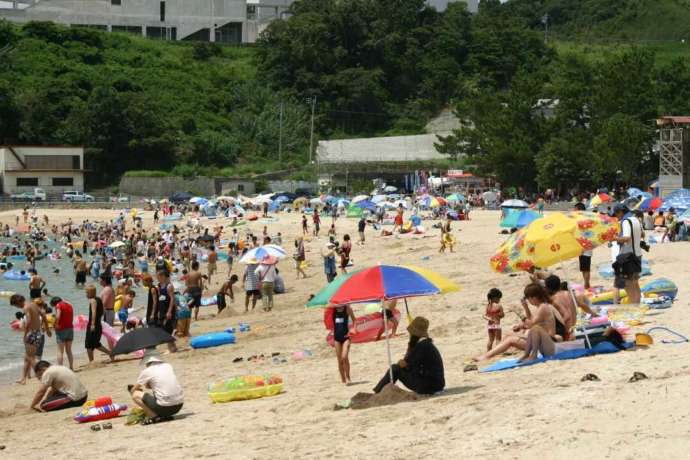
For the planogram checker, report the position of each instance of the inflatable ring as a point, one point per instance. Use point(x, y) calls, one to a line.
point(6, 294)
point(96, 413)
point(16, 276)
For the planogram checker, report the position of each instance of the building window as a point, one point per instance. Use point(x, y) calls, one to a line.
point(116, 2)
point(162, 11)
point(63, 182)
point(229, 33)
point(76, 162)
point(128, 29)
point(27, 181)
point(161, 33)
point(240, 187)
point(251, 12)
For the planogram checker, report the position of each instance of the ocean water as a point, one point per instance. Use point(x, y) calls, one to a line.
point(58, 284)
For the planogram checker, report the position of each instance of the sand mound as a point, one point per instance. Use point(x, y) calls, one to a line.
point(390, 395)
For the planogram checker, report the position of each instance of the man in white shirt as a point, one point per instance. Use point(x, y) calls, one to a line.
point(629, 259)
point(266, 273)
point(60, 388)
point(157, 391)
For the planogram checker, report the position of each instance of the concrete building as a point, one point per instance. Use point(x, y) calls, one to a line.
point(222, 21)
point(53, 168)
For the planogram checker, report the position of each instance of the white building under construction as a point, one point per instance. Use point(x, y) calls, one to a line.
point(222, 21)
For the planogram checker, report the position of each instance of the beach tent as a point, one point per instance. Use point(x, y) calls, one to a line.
point(514, 204)
point(519, 218)
point(366, 204)
point(355, 211)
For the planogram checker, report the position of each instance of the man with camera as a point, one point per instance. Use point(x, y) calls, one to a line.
point(628, 264)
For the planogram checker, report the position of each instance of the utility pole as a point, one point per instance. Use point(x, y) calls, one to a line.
point(280, 134)
point(545, 21)
point(311, 136)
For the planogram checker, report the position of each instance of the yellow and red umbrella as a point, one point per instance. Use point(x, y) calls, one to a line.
point(553, 239)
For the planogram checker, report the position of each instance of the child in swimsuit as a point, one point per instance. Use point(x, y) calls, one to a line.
point(493, 314)
point(341, 338)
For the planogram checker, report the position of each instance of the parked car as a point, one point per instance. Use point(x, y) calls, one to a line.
point(37, 195)
point(119, 199)
point(77, 197)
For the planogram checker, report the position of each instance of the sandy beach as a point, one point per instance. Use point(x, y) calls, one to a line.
point(541, 411)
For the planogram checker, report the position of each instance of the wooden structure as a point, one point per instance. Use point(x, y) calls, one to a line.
point(674, 153)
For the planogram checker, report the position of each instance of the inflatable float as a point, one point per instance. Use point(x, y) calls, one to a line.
point(238, 223)
point(367, 327)
point(17, 258)
point(213, 339)
point(245, 387)
point(651, 289)
point(16, 276)
point(94, 412)
point(6, 294)
point(209, 301)
point(173, 217)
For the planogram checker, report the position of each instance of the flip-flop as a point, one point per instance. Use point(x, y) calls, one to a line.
point(590, 378)
point(107, 426)
point(96, 427)
point(637, 376)
point(156, 419)
point(470, 367)
point(238, 359)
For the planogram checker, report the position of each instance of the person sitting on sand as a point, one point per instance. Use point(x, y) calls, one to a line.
point(421, 370)
point(566, 303)
point(545, 328)
point(389, 311)
point(546, 317)
point(60, 388)
point(157, 391)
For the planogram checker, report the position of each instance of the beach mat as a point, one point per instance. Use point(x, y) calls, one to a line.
point(598, 349)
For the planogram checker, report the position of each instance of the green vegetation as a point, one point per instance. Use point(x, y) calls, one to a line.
point(142, 104)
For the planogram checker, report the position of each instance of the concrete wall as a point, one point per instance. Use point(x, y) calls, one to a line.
point(45, 181)
point(166, 186)
point(291, 185)
point(11, 169)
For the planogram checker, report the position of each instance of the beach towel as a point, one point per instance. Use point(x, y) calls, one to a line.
point(598, 349)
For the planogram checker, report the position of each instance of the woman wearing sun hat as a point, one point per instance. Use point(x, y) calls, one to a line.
point(421, 370)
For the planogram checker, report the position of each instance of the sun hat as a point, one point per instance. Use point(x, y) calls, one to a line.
point(620, 207)
point(419, 327)
point(151, 356)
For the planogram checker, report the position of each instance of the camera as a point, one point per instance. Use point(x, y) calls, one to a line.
point(645, 246)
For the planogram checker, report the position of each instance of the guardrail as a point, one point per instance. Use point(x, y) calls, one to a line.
point(7, 203)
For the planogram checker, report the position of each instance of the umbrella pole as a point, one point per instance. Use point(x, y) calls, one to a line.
point(388, 343)
point(407, 310)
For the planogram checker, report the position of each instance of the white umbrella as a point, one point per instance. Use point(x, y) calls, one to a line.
point(378, 198)
point(390, 188)
point(315, 201)
point(359, 198)
point(117, 244)
point(256, 254)
point(514, 204)
point(198, 199)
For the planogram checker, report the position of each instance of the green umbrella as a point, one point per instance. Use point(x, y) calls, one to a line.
point(323, 297)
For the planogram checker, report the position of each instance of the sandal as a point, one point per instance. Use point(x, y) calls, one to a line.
point(107, 426)
point(238, 359)
point(156, 419)
point(637, 376)
point(470, 367)
point(590, 378)
point(96, 427)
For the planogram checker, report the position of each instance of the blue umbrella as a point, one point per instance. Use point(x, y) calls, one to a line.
point(366, 204)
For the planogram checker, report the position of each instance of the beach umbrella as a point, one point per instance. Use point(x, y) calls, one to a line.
point(519, 218)
point(366, 204)
point(600, 198)
point(379, 198)
point(301, 201)
point(649, 204)
point(634, 192)
point(261, 252)
point(117, 244)
point(360, 198)
point(281, 199)
point(315, 201)
point(553, 239)
point(456, 197)
point(390, 189)
point(141, 338)
point(379, 283)
point(198, 200)
point(180, 197)
point(514, 204)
